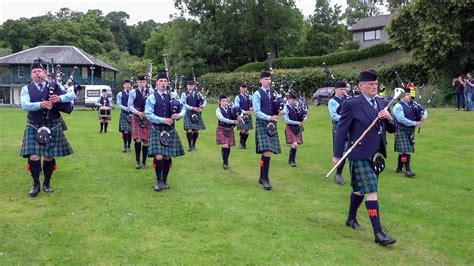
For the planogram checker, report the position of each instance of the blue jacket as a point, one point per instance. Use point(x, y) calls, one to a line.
point(356, 116)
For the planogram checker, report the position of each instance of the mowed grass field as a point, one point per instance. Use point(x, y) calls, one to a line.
point(104, 211)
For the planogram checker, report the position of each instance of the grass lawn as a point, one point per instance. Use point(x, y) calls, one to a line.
point(103, 211)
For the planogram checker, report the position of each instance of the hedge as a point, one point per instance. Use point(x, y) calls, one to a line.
point(307, 80)
point(317, 61)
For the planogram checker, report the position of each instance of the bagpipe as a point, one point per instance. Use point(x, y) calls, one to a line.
point(200, 98)
point(417, 108)
point(301, 105)
point(54, 83)
point(176, 105)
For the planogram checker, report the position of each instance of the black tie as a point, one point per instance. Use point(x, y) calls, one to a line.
point(40, 87)
point(374, 104)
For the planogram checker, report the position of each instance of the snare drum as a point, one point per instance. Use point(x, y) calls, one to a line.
point(105, 113)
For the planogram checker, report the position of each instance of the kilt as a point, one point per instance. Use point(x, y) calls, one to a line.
point(173, 150)
point(223, 139)
point(123, 124)
point(189, 124)
point(291, 137)
point(363, 178)
point(138, 132)
point(57, 147)
point(263, 141)
point(63, 123)
point(403, 139)
point(248, 125)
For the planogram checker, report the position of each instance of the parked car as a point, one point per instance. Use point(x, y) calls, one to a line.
point(322, 95)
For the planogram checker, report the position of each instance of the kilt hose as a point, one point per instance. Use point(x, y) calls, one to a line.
point(263, 141)
point(57, 147)
point(189, 124)
point(123, 124)
point(404, 139)
point(225, 135)
point(364, 179)
point(292, 137)
point(138, 132)
point(174, 149)
point(248, 125)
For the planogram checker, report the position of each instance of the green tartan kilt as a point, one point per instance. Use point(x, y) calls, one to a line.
point(189, 124)
point(248, 125)
point(57, 147)
point(123, 124)
point(403, 139)
point(175, 148)
point(364, 179)
point(263, 141)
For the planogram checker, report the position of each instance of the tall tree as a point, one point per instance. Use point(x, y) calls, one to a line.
point(357, 9)
point(17, 34)
point(440, 33)
point(326, 34)
point(118, 26)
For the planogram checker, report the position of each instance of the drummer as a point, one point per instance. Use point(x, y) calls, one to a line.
point(105, 106)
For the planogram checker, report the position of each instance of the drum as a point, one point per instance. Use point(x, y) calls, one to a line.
point(105, 113)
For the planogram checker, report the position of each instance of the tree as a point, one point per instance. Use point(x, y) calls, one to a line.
point(326, 34)
point(440, 33)
point(118, 26)
point(138, 34)
point(357, 9)
point(17, 34)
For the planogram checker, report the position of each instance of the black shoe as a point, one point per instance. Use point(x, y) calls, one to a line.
point(138, 165)
point(242, 146)
point(225, 166)
point(382, 239)
point(34, 190)
point(144, 165)
point(340, 179)
point(158, 186)
point(409, 173)
point(47, 188)
point(399, 171)
point(165, 184)
point(191, 148)
point(260, 181)
point(124, 150)
point(355, 225)
point(266, 184)
point(292, 163)
point(245, 145)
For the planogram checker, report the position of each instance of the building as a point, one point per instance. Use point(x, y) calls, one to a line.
point(369, 31)
point(15, 70)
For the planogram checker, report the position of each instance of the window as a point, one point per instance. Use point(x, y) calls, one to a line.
point(372, 35)
point(84, 72)
point(21, 71)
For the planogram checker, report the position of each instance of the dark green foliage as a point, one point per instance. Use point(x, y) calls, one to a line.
point(316, 61)
point(307, 80)
point(441, 34)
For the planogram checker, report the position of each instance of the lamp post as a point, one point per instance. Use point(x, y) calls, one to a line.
point(92, 75)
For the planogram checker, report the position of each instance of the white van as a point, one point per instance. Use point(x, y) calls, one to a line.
point(93, 92)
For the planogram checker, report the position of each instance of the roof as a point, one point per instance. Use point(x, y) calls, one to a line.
point(367, 23)
point(62, 54)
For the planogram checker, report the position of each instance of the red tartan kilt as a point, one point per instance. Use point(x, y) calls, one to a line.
point(221, 139)
point(138, 132)
point(291, 137)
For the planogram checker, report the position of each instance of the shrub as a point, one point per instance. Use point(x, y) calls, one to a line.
point(316, 61)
